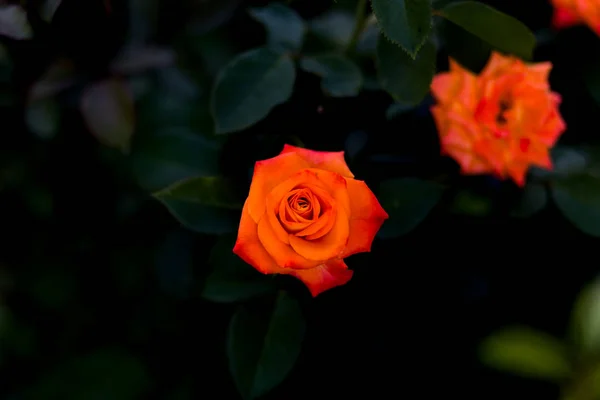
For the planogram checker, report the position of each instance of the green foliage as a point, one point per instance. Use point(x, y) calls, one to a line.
point(108, 109)
point(585, 320)
point(502, 31)
point(203, 204)
point(533, 199)
point(107, 373)
point(406, 79)
point(340, 77)
point(249, 87)
point(526, 352)
point(285, 28)
point(407, 23)
point(408, 201)
point(263, 344)
point(230, 278)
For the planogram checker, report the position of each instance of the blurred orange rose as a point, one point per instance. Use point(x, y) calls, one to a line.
point(575, 12)
point(501, 121)
point(304, 214)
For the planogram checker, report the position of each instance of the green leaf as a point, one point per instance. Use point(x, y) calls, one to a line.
point(407, 201)
point(406, 79)
point(585, 320)
point(468, 50)
point(404, 22)
point(533, 199)
point(262, 346)
point(334, 26)
point(578, 198)
point(502, 31)
point(340, 76)
point(526, 352)
point(48, 9)
point(14, 23)
point(285, 28)
point(43, 117)
point(566, 162)
point(211, 191)
point(592, 81)
point(108, 110)
point(105, 374)
point(469, 202)
point(172, 155)
point(397, 109)
point(231, 279)
point(203, 204)
point(249, 87)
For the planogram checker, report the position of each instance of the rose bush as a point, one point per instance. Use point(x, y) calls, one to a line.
point(304, 214)
point(501, 121)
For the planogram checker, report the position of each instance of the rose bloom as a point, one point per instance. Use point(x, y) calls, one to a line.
point(304, 214)
point(499, 122)
point(574, 12)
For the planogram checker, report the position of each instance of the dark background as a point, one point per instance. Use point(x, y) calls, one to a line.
point(89, 262)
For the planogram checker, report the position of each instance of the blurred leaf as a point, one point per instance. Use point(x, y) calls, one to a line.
point(566, 162)
point(406, 23)
point(533, 199)
point(340, 77)
point(14, 23)
point(367, 43)
point(210, 14)
point(334, 26)
point(262, 347)
point(202, 190)
point(109, 112)
point(592, 80)
point(578, 198)
point(249, 87)
point(407, 201)
point(171, 156)
point(398, 108)
point(231, 279)
point(43, 117)
point(58, 77)
point(406, 79)
point(137, 59)
point(174, 264)
point(48, 9)
point(502, 31)
point(355, 143)
point(285, 28)
point(471, 203)
point(105, 374)
point(199, 213)
point(585, 320)
point(468, 50)
point(526, 352)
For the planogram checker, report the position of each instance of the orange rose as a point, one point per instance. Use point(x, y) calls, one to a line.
point(575, 12)
point(304, 214)
point(501, 121)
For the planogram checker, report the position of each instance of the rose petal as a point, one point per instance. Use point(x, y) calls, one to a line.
point(249, 248)
point(282, 253)
point(324, 277)
point(328, 246)
point(366, 217)
point(330, 161)
point(564, 18)
point(268, 174)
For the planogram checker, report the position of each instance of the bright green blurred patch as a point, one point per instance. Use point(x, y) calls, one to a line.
point(526, 352)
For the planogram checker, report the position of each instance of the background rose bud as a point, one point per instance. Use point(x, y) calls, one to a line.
point(502, 121)
point(575, 12)
point(304, 214)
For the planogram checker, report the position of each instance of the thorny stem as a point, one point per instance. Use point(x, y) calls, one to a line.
point(360, 20)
